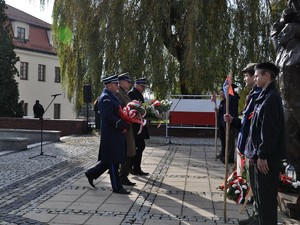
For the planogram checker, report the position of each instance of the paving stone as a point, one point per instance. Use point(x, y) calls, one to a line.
point(181, 188)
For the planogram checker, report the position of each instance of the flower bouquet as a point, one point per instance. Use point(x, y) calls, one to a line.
point(156, 109)
point(287, 185)
point(164, 106)
point(237, 189)
point(133, 112)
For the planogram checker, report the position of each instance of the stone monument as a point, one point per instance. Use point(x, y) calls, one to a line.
point(286, 38)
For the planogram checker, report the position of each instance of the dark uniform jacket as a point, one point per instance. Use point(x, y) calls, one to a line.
point(124, 99)
point(112, 141)
point(244, 125)
point(134, 94)
point(267, 136)
point(221, 112)
point(233, 109)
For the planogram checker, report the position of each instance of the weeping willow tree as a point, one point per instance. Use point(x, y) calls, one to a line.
point(180, 46)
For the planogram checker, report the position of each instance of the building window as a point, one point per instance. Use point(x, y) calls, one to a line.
point(26, 109)
point(42, 72)
point(24, 71)
point(56, 111)
point(57, 75)
point(21, 34)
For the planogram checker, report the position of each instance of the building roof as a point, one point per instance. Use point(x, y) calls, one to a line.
point(16, 14)
point(38, 38)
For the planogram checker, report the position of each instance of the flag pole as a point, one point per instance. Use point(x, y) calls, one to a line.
point(226, 147)
point(216, 126)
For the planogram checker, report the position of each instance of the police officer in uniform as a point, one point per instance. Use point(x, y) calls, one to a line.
point(136, 93)
point(112, 139)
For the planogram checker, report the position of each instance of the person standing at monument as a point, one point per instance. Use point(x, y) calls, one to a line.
point(266, 142)
point(243, 125)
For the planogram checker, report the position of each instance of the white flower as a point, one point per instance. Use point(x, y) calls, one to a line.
point(234, 185)
point(244, 186)
point(296, 184)
point(237, 192)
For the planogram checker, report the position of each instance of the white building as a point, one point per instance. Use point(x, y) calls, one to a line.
point(38, 66)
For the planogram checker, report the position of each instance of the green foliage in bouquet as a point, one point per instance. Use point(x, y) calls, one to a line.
point(156, 110)
point(164, 106)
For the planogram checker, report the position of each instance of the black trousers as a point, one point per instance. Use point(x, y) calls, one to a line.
point(233, 132)
point(140, 146)
point(222, 134)
point(251, 181)
point(266, 190)
point(124, 169)
point(101, 167)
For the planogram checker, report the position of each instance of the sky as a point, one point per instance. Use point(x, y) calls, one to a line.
point(34, 8)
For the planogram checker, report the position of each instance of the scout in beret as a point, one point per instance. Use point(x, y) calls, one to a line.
point(266, 142)
point(243, 125)
point(268, 67)
point(249, 68)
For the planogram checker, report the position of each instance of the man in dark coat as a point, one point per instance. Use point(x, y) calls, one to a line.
point(124, 86)
point(38, 110)
point(243, 125)
point(112, 140)
point(266, 142)
point(136, 93)
point(233, 110)
point(220, 110)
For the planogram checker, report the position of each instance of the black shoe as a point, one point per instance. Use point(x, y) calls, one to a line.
point(127, 182)
point(90, 180)
point(251, 220)
point(140, 172)
point(131, 171)
point(122, 191)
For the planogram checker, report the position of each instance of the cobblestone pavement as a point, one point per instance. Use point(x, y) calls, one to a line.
point(53, 190)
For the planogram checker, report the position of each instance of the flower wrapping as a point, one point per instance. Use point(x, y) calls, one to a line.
point(156, 109)
point(133, 112)
point(287, 185)
point(237, 188)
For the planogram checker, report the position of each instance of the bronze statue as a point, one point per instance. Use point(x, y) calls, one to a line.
point(286, 38)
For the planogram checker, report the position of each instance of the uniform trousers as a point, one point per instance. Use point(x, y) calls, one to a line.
point(222, 134)
point(266, 190)
point(251, 181)
point(125, 167)
point(231, 142)
point(233, 132)
point(140, 146)
point(101, 167)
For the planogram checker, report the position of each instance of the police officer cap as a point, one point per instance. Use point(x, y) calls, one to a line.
point(267, 66)
point(124, 76)
point(249, 68)
point(141, 81)
point(110, 79)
